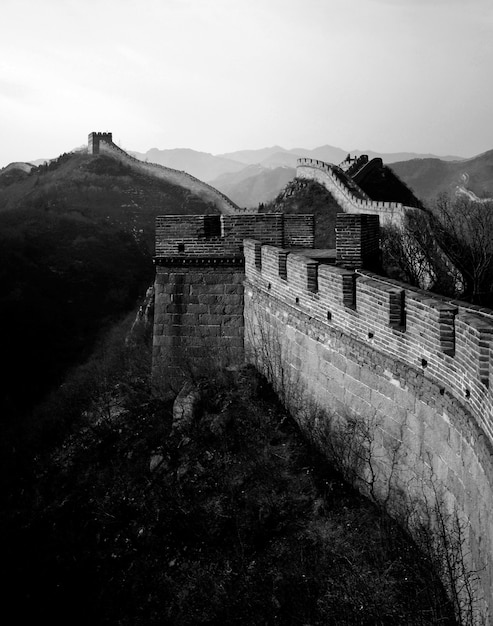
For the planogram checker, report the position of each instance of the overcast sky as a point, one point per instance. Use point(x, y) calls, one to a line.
point(224, 75)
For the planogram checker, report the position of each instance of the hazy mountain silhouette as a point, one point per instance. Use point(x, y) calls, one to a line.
point(254, 184)
point(430, 177)
point(202, 165)
point(251, 157)
point(427, 176)
point(276, 156)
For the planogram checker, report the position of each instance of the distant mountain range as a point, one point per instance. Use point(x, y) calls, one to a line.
point(250, 177)
point(429, 177)
point(202, 165)
point(208, 167)
point(254, 184)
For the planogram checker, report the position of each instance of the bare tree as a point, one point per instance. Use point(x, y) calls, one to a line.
point(448, 249)
point(463, 228)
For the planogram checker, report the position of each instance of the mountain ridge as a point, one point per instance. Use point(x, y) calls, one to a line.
point(431, 177)
point(234, 173)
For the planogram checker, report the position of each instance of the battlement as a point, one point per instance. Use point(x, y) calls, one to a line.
point(351, 200)
point(105, 135)
point(187, 238)
point(413, 368)
point(448, 341)
point(94, 140)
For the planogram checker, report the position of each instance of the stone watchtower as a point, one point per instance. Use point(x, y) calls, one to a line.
point(199, 303)
point(94, 140)
point(198, 316)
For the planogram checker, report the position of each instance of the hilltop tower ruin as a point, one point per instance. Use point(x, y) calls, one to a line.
point(94, 140)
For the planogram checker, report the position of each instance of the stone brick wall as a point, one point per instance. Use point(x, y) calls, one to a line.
point(198, 319)
point(198, 312)
point(94, 140)
point(358, 240)
point(331, 177)
point(185, 236)
point(103, 143)
point(299, 231)
point(415, 368)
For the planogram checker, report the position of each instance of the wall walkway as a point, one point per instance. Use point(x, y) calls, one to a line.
point(347, 193)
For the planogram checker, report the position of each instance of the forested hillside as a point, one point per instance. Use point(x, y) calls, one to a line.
point(76, 245)
point(131, 516)
point(431, 177)
point(305, 196)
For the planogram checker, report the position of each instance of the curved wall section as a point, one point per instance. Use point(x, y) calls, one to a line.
point(102, 142)
point(415, 369)
point(351, 200)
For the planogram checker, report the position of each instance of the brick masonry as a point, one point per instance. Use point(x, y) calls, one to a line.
point(331, 177)
point(358, 240)
point(95, 139)
point(414, 367)
point(198, 319)
point(198, 313)
point(103, 143)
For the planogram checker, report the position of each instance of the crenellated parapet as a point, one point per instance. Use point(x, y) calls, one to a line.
point(198, 319)
point(347, 193)
point(449, 341)
point(414, 368)
point(95, 139)
point(340, 342)
point(187, 237)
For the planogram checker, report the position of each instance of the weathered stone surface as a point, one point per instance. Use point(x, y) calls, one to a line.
point(415, 375)
point(423, 431)
point(155, 461)
point(186, 409)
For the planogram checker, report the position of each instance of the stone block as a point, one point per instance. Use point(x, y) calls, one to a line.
point(357, 405)
point(358, 388)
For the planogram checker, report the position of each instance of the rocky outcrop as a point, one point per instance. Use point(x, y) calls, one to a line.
point(186, 409)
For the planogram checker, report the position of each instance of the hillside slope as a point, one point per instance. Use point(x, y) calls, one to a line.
point(307, 196)
point(231, 520)
point(76, 246)
point(430, 177)
point(103, 189)
point(255, 184)
point(171, 176)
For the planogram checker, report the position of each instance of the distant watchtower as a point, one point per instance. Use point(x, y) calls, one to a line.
point(94, 140)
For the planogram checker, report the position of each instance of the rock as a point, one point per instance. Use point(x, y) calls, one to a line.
point(155, 462)
point(219, 423)
point(186, 408)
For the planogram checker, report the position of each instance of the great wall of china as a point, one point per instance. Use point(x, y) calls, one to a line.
point(340, 343)
point(347, 193)
point(100, 143)
point(415, 368)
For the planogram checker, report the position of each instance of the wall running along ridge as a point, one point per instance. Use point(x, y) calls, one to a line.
point(350, 200)
point(414, 368)
point(101, 143)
